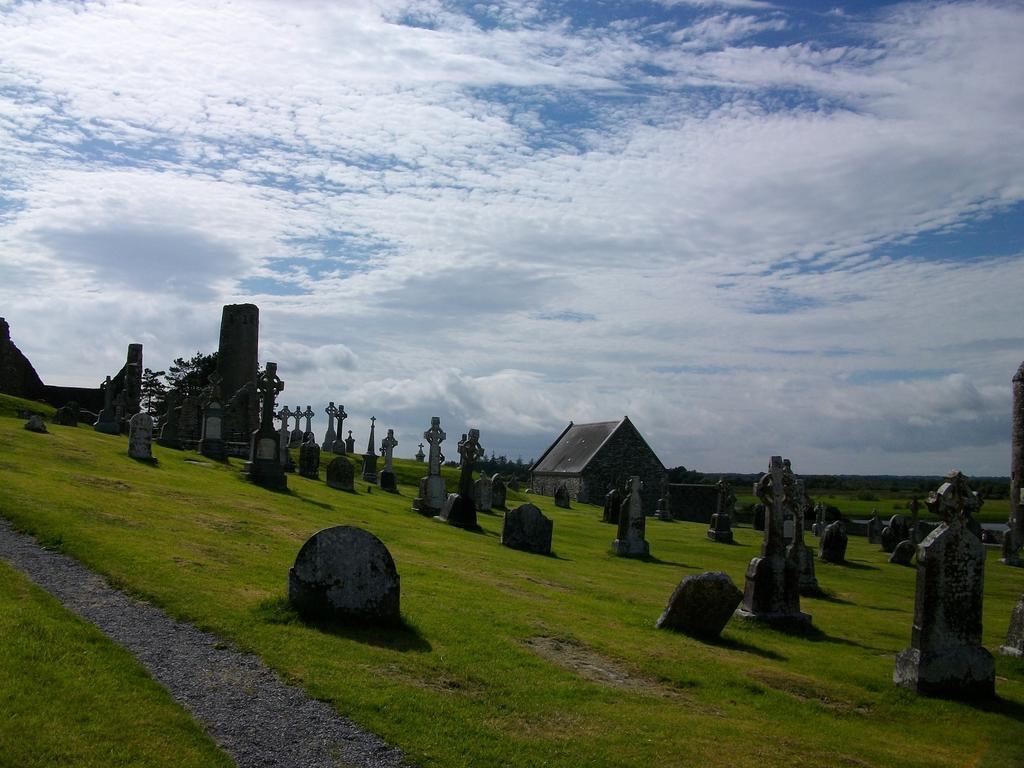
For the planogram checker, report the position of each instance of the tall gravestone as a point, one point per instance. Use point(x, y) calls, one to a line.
point(720, 528)
point(498, 492)
point(284, 438)
point(772, 590)
point(797, 550)
point(432, 491)
point(330, 436)
point(106, 421)
point(308, 415)
point(309, 459)
point(341, 445)
point(169, 426)
point(945, 657)
point(482, 493)
point(459, 509)
point(295, 438)
point(387, 475)
point(140, 436)
point(1013, 539)
point(612, 505)
point(370, 457)
point(211, 443)
point(264, 465)
point(630, 541)
point(350, 444)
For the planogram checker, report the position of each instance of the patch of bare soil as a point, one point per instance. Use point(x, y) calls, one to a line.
point(806, 689)
point(101, 482)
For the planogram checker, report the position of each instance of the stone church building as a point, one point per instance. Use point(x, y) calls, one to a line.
point(591, 459)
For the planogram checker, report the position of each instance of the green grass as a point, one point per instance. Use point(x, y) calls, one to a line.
point(468, 682)
point(71, 697)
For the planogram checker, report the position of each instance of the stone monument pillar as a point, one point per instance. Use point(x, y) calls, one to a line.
point(238, 362)
point(370, 458)
point(264, 466)
point(387, 475)
point(1014, 537)
point(132, 384)
point(630, 541)
point(772, 591)
point(341, 445)
point(211, 442)
point(459, 508)
point(330, 436)
point(945, 657)
point(308, 415)
point(432, 491)
point(720, 528)
point(284, 440)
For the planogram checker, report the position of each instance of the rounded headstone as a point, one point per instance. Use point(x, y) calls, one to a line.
point(562, 496)
point(834, 540)
point(701, 605)
point(904, 552)
point(345, 573)
point(341, 474)
point(526, 528)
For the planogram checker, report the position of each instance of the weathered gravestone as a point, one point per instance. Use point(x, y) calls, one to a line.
point(264, 465)
point(35, 423)
point(772, 591)
point(307, 433)
point(140, 436)
point(295, 438)
point(895, 532)
point(832, 548)
point(701, 605)
point(284, 438)
point(498, 492)
point(562, 496)
point(720, 528)
point(904, 553)
point(663, 511)
point(797, 550)
point(760, 514)
point(875, 529)
point(345, 573)
point(341, 445)
point(387, 479)
point(211, 443)
point(459, 508)
point(330, 435)
point(370, 458)
point(945, 657)
point(341, 474)
point(514, 484)
point(482, 494)
point(1014, 645)
point(612, 505)
point(432, 491)
point(630, 541)
point(309, 459)
point(527, 529)
point(66, 415)
point(350, 444)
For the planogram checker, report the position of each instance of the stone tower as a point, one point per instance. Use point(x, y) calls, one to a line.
point(1013, 539)
point(237, 365)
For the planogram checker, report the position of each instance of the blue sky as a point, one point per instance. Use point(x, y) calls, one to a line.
point(755, 228)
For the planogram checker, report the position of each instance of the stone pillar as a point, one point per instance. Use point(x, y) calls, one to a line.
point(238, 358)
point(370, 457)
point(1014, 537)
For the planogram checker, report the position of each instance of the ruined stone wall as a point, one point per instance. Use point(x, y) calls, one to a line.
point(17, 376)
point(545, 483)
point(624, 455)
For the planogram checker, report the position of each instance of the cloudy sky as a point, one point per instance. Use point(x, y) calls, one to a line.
point(753, 227)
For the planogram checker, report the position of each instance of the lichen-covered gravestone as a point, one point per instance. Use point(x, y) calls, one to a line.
point(341, 474)
point(1014, 645)
point(630, 541)
point(498, 492)
point(35, 423)
point(345, 573)
point(834, 540)
point(526, 528)
point(562, 496)
point(140, 436)
point(309, 459)
point(945, 657)
point(482, 494)
point(701, 605)
point(432, 490)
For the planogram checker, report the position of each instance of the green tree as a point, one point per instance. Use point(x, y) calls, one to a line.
point(189, 377)
point(153, 391)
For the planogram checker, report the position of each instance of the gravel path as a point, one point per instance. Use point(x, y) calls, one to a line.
point(244, 707)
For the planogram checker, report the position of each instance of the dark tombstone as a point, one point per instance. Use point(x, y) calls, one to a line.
point(387, 480)
point(945, 657)
point(1013, 539)
point(140, 436)
point(1014, 645)
point(459, 508)
point(904, 553)
point(875, 530)
point(35, 423)
point(341, 445)
point(420, 455)
point(701, 605)
point(295, 438)
point(612, 504)
point(482, 495)
point(630, 541)
point(106, 422)
point(798, 550)
point(894, 532)
point(211, 443)
point(432, 494)
point(341, 474)
point(834, 540)
point(348, 574)
point(720, 529)
point(309, 459)
point(527, 529)
point(66, 415)
point(772, 591)
point(369, 473)
point(498, 494)
point(514, 485)
point(168, 437)
point(330, 436)
point(350, 444)
point(760, 513)
point(308, 415)
point(562, 496)
point(264, 465)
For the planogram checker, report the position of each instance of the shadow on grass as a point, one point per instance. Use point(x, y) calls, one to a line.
point(853, 565)
point(997, 706)
point(740, 645)
point(659, 561)
point(150, 462)
point(403, 637)
point(828, 597)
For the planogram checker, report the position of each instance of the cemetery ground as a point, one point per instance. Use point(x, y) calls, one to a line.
point(506, 658)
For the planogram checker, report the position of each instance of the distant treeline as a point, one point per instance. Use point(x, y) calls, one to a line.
point(865, 485)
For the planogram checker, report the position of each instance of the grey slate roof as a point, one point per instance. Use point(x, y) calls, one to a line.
point(576, 446)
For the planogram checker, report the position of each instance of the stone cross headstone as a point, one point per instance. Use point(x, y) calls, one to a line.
point(482, 493)
point(420, 455)
point(370, 458)
point(345, 573)
point(630, 541)
point(341, 474)
point(285, 415)
point(341, 445)
point(387, 475)
point(330, 436)
point(350, 444)
point(946, 657)
point(498, 492)
point(432, 491)
point(106, 422)
point(1013, 539)
point(295, 438)
point(772, 590)
point(527, 529)
point(309, 459)
point(701, 605)
point(264, 465)
point(797, 550)
point(140, 436)
point(459, 508)
point(720, 528)
point(308, 415)
point(211, 441)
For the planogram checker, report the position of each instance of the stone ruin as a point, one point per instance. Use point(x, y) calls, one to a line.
point(432, 491)
point(1013, 539)
point(264, 465)
point(772, 591)
point(345, 573)
point(945, 657)
point(459, 508)
point(526, 528)
point(122, 395)
point(630, 541)
point(701, 605)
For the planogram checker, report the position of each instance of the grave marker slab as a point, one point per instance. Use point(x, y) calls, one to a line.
point(701, 605)
point(140, 436)
point(526, 528)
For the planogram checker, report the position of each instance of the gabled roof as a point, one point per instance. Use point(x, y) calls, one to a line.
point(576, 446)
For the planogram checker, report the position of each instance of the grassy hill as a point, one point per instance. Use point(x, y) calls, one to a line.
point(508, 658)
